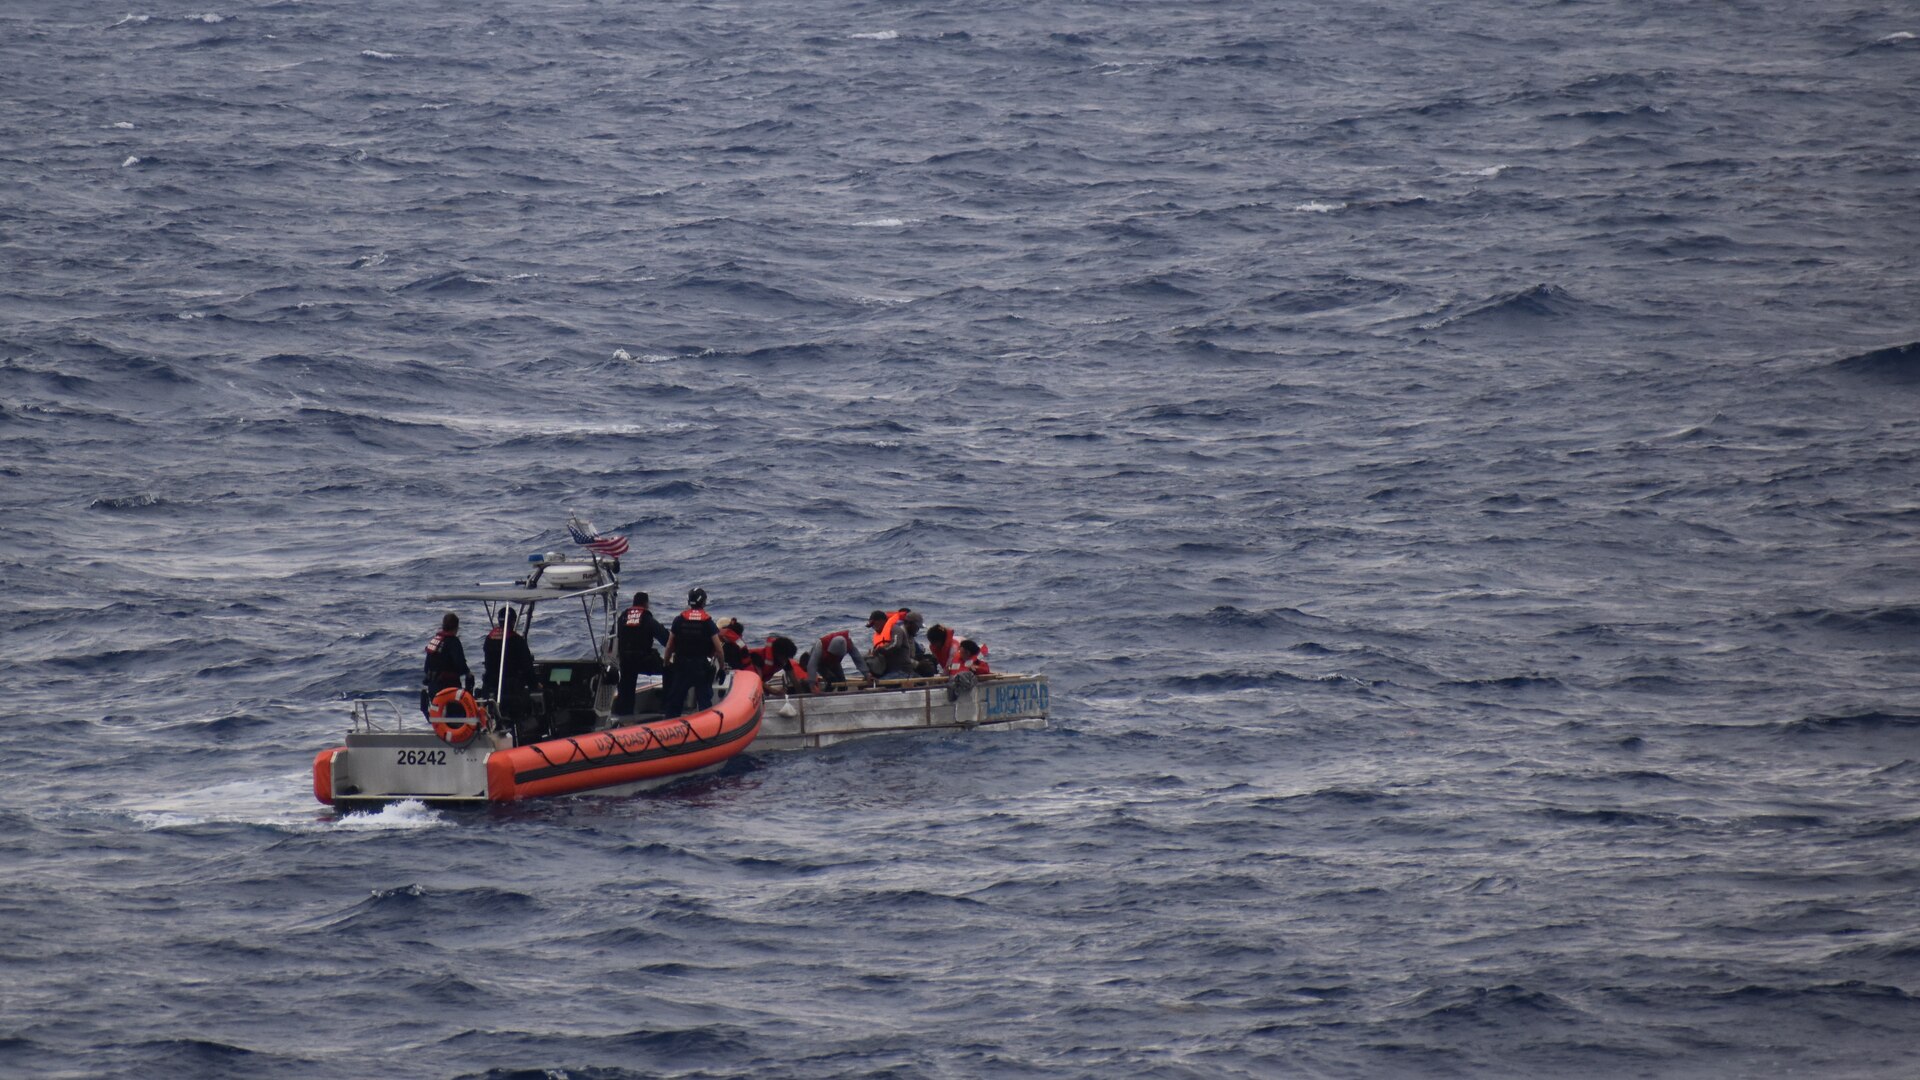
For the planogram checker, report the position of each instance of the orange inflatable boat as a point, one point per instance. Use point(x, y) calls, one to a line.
point(383, 763)
point(538, 720)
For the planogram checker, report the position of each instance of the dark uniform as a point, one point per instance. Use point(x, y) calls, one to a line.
point(640, 632)
point(693, 635)
point(446, 666)
point(517, 694)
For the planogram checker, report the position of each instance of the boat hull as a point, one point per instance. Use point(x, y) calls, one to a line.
point(376, 768)
point(997, 702)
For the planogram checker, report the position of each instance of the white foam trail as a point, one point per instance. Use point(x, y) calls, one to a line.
point(283, 801)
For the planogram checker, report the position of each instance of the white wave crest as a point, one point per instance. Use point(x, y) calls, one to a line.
point(406, 814)
point(1320, 207)
point(375, 54)
point(130, 162)
point(881, 223)
point(133, 20)
point(878, 35)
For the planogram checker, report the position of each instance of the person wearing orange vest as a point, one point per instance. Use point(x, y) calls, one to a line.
point(823, 668)
point(892, 655)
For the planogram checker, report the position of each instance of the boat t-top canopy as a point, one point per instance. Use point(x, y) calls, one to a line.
point(511, 593)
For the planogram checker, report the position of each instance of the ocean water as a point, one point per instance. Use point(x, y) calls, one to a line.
point(1456, 464)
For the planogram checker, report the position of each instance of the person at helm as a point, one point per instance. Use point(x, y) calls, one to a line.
point(509, 673)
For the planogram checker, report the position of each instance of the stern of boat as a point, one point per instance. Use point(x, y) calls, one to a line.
point(389, 757)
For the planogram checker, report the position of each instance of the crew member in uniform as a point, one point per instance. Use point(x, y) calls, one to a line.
point(446, 662)
point(639, 635)
point(693, 648)
point(507, 655)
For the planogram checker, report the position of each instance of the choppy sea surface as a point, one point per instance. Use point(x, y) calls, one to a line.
point(1456, 463)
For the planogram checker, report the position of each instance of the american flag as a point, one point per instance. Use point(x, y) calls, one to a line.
point(587, 537)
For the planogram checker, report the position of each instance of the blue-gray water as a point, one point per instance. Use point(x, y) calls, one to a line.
point(1456, 463)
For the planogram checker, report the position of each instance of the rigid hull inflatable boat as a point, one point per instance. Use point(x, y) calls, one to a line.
point(557, 737)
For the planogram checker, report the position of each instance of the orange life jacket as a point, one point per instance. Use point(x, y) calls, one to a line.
point(885, 639)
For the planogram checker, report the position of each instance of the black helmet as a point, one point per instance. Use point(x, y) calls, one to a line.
point(697, 598)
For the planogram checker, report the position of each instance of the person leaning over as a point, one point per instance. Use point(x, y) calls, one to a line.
point(823, 661)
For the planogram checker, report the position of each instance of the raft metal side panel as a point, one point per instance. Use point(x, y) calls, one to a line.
point(1016, 701)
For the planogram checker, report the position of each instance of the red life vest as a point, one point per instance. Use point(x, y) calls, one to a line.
point(433, 643)
point(694, 614)
point(977, 665)
point(635, 615)
point(949, 657)
point(822, 647)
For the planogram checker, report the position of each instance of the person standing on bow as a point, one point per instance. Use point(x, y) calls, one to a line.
point(693, 648)
point(446, 662)
point(639, 635)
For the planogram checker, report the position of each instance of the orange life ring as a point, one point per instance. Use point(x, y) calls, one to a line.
point(456, 731)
